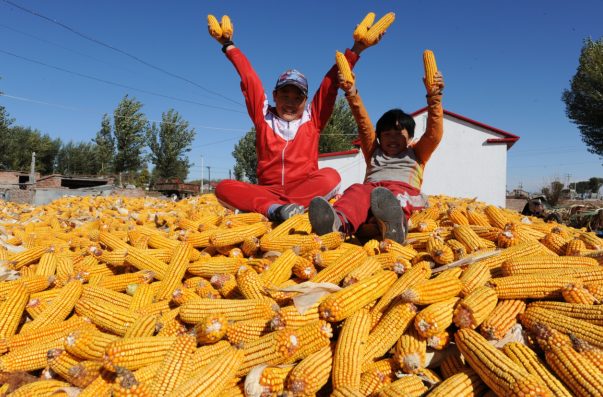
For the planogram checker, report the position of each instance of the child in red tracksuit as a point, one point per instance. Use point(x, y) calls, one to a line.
point(392, 186)
point(286, 140)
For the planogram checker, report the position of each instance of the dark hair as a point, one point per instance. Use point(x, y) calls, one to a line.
point(395, 119)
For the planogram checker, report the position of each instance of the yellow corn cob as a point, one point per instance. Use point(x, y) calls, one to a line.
point(394, 261)
point(157, 308)
point(48, 265)
point(592, 353)
point(555, 243)
point(273, 348)
point(227, 285)
point(80, 373)
point(311, 373)
point(135, 353)
point(182, 295)
point(440, 252)
point(290, 317)
point(35, 306)
point(207, 268)
point(536, 264)
point(250, 284)
point(475, 308)
point(346, 391)
point(576, 293)
point(406, 386)
point(372, 247)
point(281, 269)
point(303, 268)
point(417, 273)
point(88, 344)
point(502, 318)
point(590, 333)
point(61, 306)
point(591, 240)
point(535, 286)
point(206, 354)
point(126, 385)
point(226, 27)
point(528, 360)
point(410, 351)
point(597, 255)
point(455, 214)
point(431, 291)
point(458, 249)
point(205, 290)
point(247, 330)
point(119, 282)
point(498, 371)
point(280, 243)
point(101, 386)
point(101, 294)
point(51, 333)
point(377, 376)
point(211, 329)
point(11, 311)
point(175, 366)
point(436, 317)
point(143, 326)
point(194, 311)
point(575, 247)
point(222, 238)
point(214, 26)
point(106, 316)
point(453, 364)
point(326, 258)
point(214, 378)
point(368, 268)
point(177, 268)
point(380, 26)
point(344, 303)
point(465, 383)
point(344, 68)
point(405, 251)
point(272, 379)
point(584, 274)
point(393, 324)
point(439, 341)
point(29, 358)
point(574, 370)
point(332, 240)
point(596, 290)
point(591, 314)
point(26, 257)
point(350, 350)
point(496, 217)
point(39, 389)
point(250, 246)
point(469, 238)
point(362, 28)
point(476, 218)
point(116, 257)
point(142, 296)
point(311, 337)
point(347, 262)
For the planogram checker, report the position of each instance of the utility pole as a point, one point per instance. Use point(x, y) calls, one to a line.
point(201, 173)
point(209, 176)
point(32, 178)
point(229, 174)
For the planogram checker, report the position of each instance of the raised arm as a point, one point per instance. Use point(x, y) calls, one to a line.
point(368, 138)
point(434, 129)
point(251, 85)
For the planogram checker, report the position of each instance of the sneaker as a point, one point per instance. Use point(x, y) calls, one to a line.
point(388, 212)
point(323, 217)
point(285, 212)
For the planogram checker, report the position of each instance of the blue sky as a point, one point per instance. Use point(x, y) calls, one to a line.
point(505, 64)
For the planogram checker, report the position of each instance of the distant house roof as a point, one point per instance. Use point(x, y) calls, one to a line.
point(509, 138)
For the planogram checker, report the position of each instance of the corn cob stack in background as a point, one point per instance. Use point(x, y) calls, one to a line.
point(137, 296)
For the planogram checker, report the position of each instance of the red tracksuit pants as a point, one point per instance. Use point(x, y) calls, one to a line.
point(255, 198)
point(355, 203)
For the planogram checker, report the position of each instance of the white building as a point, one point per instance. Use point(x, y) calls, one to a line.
point(471, 160)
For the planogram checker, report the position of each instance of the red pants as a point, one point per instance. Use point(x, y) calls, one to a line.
point(355, 203)
point(255, 198)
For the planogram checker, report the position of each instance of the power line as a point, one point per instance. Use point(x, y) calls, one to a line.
point(126, 117)
point(120, 85)
point(213, 143)
point(545, 165)
point(118, 50)
point(108, 63)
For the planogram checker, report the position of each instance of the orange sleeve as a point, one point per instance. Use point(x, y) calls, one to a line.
point(366, 132)
point(433, 131)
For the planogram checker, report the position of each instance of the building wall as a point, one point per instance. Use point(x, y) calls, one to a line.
point(53, 182)
point(464, 165)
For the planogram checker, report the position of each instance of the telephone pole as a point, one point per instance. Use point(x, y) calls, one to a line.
point(209, 176)
point(201, 173)
point(229, 174)
point(32, 178)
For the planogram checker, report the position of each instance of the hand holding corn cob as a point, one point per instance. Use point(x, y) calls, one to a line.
point(221, 31)
point(433, 80)
point(364, 37)
point(346, 77)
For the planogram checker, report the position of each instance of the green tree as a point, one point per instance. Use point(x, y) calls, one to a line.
point(105, 146)
point(239, 174)
point(5, 123)
point(553, 192)
point(129, 126)
point(25, 140)
point(169, 142)
point(246, 157)
point(78, 159)
point(595, 184)
point(584, 99)
point(582, 187)
point(340, 131)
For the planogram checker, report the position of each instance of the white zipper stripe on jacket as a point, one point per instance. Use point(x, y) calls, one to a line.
point(283, 156)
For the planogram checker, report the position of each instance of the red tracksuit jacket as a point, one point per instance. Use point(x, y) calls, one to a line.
point(287, 151)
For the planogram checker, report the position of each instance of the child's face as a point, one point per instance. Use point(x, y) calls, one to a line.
point(394, 142)
point(290, 102)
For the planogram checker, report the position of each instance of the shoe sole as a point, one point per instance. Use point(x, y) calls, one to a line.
point(321, 215)
point(386, 208)
point(290, 210)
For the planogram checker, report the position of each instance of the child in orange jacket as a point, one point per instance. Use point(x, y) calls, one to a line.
point(394, 174)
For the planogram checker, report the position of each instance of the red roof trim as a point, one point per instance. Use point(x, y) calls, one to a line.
point(338, 153)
